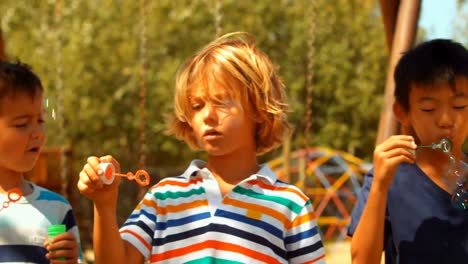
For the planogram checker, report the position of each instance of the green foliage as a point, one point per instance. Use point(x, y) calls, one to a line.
point(98, 46)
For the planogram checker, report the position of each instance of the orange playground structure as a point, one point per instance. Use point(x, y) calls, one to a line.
point(331, 178)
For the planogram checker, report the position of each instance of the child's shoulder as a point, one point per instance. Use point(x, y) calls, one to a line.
point(267, 182)
point(183, 180)
point(288, 189)
point(42, 193)
point(174, 181)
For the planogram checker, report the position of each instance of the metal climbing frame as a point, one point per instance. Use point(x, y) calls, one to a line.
point(331, 179)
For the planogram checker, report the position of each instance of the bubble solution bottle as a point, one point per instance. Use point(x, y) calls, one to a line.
point(55, 230)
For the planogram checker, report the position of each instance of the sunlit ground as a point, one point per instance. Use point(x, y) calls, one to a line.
point(339, 253)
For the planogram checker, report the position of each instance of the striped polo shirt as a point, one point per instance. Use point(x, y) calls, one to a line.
point(24, 224)
point(186, 219)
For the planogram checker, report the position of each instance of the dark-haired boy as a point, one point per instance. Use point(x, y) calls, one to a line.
point(26, 216)
point(405, 204)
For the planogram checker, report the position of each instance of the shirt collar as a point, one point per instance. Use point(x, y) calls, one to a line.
point(193, 168)
point(265, 171)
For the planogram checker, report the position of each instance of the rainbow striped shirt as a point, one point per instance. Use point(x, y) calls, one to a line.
point(185, 219)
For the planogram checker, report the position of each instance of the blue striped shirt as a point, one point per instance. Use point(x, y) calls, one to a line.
point(24, 224)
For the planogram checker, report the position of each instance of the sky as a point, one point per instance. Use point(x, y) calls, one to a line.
point(437, 17)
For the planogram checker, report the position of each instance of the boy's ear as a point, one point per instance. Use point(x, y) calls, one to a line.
point(401, 114)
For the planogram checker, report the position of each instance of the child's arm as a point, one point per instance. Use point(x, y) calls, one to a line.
point(64, 245)
point(108, 245)
point(367, 241)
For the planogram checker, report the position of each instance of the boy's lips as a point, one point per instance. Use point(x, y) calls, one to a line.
point(34, 149)
point(212, 134)
point(448, 136)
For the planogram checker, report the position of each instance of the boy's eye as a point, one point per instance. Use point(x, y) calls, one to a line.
point(459, 107)
point(196, 106)
point(21, 125)
point(427, 109)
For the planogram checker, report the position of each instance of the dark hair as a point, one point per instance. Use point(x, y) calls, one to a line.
point(431, 62)
point(18, 78)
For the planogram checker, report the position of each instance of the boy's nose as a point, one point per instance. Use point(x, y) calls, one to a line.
point(445, 119)
point(210, 113)
point(38, 132)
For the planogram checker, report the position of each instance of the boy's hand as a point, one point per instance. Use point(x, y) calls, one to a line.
point(388, 155)
point(64, 245)
point(91, 186)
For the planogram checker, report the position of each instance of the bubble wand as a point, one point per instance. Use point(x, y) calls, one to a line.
point(141, 176)
point(445, 145)
point(459, 198)
point(13, 196)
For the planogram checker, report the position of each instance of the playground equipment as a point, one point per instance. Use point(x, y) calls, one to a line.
point(331, 178)
point(400, 19)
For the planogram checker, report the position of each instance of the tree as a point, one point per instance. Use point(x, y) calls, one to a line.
point(99, 51)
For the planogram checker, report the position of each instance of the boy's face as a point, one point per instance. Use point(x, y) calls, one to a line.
point(221, 128)
point(22, 132)
point(438, 112)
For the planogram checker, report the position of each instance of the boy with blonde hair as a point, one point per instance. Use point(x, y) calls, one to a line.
point(230, 103)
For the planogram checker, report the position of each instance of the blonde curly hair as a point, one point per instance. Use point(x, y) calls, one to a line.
point(233, 62)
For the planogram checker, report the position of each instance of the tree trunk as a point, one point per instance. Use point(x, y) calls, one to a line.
point(2, 46)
